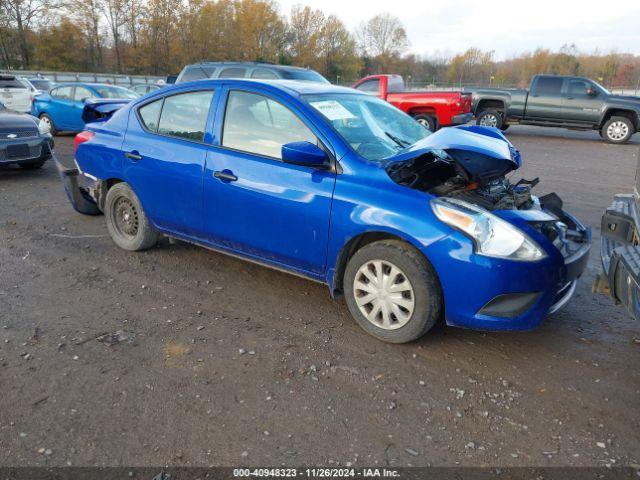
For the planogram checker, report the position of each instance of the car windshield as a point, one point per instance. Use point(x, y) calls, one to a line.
point(106, 91)
point(42, 84)
point(304, 76)
point(375, 129)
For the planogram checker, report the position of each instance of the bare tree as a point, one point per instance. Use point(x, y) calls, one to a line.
point(88, 13)
point(115, 12)
point(382, 36)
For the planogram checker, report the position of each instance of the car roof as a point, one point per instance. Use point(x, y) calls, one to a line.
point(86, 84)
point(292, 87)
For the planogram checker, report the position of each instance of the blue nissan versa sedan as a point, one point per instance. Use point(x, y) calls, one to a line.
point(339, 187)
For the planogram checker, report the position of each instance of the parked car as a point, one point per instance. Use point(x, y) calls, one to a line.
point(61, 108)
point(41, 83)
point(265, 71)
point(432, 109)
point(339, 187)
point(14, 94)
point(24, 140)
point(576, 103)
point(144, 88)
point(620, 250)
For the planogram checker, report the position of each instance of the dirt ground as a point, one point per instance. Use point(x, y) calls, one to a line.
point(222, 362)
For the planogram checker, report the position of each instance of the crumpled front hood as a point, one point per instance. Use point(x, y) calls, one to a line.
point(486, 141)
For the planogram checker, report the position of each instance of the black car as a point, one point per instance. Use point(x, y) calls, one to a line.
point(263, 71)
point(24, 140)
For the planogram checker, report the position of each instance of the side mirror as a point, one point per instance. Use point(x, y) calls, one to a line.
point(592, 92)
point(305, 154)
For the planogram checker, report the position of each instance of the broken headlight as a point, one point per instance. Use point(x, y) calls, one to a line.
point(491, 235)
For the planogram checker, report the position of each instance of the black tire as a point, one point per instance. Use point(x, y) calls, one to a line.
point(617, 130)
point(32, 165)
point(412, 266)
point(53, 131)
point(490, 118)
point(127, 223)
point(504, 127)
point(427, 121)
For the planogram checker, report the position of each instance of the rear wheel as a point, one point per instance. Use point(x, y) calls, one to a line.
point(490, 118)
point(392, 291)
point(48, 120)
point(427, 121)
point(127, 222)
point(617, 130)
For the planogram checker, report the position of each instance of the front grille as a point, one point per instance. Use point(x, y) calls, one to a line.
point(4, 134)
point(34, 152)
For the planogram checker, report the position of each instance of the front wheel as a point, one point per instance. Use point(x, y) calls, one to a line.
point(490, 118)
point(617, 130)
point(127, 222)
point(392, 291)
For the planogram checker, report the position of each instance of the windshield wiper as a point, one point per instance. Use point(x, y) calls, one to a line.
point(398, 141)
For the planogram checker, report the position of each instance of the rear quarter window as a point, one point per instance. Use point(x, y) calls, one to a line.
point(149, 115)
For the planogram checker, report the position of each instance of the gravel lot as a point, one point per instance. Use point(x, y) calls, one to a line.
point(226, 363)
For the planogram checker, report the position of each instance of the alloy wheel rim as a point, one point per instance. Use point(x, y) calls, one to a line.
point(489, 120)
point(384, 294)
point(125, 217)
point(617, 130)
point(425, 123)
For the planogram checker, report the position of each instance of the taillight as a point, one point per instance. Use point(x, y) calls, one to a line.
point(82, 137)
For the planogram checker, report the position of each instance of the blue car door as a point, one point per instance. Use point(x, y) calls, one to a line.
point(61, 107)
point(164, 157)
point(254, 203)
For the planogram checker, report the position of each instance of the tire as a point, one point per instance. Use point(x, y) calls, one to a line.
point(127, 222)
point(490, 118)
point(421, 306)
point(47, 118)
point(617, 130)
point(32, 165)
point(427, 121)
point(504, 127)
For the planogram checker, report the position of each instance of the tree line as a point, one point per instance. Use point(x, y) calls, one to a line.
point(159, 37)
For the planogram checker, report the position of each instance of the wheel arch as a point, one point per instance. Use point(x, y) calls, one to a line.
point(354, 244)
point(621, 112)
point(494, 103)
point(104, 187)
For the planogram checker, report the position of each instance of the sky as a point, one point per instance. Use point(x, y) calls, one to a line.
point(446, 27)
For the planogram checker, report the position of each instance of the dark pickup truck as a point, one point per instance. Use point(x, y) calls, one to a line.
point(576, 103)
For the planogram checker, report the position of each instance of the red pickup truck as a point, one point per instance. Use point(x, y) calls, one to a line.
point(432, 109)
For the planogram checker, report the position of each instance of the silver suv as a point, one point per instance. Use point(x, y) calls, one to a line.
point(204, 70)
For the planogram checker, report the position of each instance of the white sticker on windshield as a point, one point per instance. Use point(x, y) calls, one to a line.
point(332, 110)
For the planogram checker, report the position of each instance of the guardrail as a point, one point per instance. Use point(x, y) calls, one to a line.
point(114, 79)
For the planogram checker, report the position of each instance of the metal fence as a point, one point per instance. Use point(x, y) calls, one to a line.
point(114, 79)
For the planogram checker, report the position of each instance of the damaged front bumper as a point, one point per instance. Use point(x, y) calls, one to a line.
point(620, 253)
point(488, 293)
point(78, 187)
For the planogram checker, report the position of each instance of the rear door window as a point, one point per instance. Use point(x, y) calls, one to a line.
point(82, 94)
point(11, 83)
point(549, 85)
point(62, 93)
point(233, 72)
point(185, 115)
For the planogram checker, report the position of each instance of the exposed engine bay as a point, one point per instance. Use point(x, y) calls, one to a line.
point(480, 180)
point(452, 174)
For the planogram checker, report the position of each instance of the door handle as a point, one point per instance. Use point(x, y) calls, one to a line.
point(225, 176)
point(569, 98)
point(133, 155)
